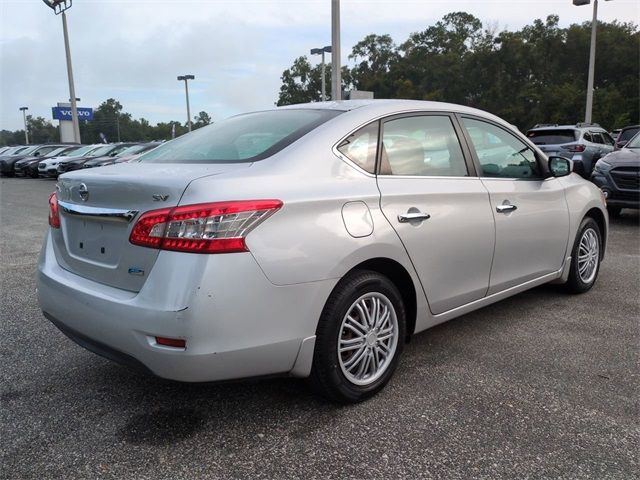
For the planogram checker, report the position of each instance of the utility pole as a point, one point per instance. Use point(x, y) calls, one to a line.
point(186, 79)
point(322, 51)
point(24, 117)
point(60, 6)
point(336, 73)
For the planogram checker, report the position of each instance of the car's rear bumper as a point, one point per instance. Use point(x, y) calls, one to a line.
point(235, 322)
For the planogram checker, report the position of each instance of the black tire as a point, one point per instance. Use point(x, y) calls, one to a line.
point(576, 284)
point(614, 211)
point(327, 377)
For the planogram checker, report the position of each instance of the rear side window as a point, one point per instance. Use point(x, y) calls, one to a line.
point(552, 137)
point(243, 138)
point(361, 147)
point(425, 145)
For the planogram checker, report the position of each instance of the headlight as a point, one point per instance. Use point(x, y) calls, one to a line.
point(602, 166)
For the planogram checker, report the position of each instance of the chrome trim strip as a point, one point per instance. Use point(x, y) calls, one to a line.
point(103, 213)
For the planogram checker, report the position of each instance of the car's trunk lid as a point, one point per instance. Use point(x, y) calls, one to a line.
point(99, 207)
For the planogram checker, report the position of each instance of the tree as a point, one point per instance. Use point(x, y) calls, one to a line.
point(302, 83)
point(532, 75)
point(201, 120)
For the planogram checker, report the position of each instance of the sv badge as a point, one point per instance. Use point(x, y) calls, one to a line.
point(159, 198)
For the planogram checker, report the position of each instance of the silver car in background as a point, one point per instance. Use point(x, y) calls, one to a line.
point(311, 241)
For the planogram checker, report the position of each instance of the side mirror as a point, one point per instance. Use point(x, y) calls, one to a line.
point(36, 154)
point(560, 166)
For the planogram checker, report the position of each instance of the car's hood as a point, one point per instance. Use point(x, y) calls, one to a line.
point(97, 160)
point(624, 157)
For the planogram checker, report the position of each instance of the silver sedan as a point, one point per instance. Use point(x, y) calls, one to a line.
point(311, 241)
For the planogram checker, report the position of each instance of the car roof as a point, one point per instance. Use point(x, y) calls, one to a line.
point(374, 108)
point(567, 127)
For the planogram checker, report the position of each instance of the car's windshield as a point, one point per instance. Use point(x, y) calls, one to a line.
point(98, 152)
point(628, 133)
point(57, 151)
point(27, 150)
point(81, 152)
point(634, 142)
point(243, 138)
point(131, 150)
point(552, 137)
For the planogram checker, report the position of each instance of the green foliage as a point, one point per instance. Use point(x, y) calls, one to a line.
point(109, 119)
point(533, 75)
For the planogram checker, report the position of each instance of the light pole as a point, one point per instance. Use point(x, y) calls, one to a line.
point(60, 6)
point(186, 79)
point(322, 51)
point(592, 57)
point(24, 117)
point(336, 80)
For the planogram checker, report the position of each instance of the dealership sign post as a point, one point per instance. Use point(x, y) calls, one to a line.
point(64, 114)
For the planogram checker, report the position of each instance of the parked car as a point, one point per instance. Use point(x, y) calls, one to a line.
point(131, 154)
point(108, 150)
point(28, 166)
point(297, 241)
point(121, 156)
point(618, 176)
point(49, 166)
point(9, 151)
point(626, 134)
point(584, 143)
point(34, 151)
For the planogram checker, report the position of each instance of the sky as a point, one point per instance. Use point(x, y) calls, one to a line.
point(132, 50)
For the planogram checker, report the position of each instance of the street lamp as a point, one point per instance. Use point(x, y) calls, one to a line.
point(24, 117)
point(322, 51)
point(592, 57)
point(336, 80)
point(186, 79)
point(60, 6)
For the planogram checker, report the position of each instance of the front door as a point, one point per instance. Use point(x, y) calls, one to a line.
point(438, 206)
point(531, 213)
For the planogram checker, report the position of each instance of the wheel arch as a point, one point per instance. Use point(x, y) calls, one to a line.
point(401, 278)
point(599, 217)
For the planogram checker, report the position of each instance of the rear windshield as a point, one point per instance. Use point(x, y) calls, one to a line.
point(552, 137)
point(634, 142)
point(243, 138)
point(628, 133)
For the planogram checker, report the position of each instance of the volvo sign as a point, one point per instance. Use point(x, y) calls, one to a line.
point(64, 113)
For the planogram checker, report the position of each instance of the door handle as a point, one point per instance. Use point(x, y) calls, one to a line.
point(411, 216)
point(506, 208)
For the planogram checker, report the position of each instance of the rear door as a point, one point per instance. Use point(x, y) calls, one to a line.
point(438, 206)
point(531, 213)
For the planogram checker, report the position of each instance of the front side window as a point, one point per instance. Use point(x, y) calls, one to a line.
point(425, 145)
point(243, 138)
point(500, 153)
point(361, 147)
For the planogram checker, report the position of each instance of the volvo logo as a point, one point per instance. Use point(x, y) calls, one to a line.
point(83, 191)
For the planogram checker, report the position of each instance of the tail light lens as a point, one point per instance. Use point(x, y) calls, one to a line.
point(219, 227)
point(575, 148)
point(54, 212)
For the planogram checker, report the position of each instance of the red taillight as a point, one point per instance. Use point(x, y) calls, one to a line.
point(219, 227)
point(575, 148)
point(54, 213)
point(171, 342)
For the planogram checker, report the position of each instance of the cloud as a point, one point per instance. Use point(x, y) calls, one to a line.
point(132, 50)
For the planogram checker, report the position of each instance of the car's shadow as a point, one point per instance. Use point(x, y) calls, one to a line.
point(161, 412)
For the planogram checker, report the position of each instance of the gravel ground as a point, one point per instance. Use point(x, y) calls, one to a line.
point(542, 385)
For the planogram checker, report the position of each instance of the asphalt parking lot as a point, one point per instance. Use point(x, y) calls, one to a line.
point(542, 385)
